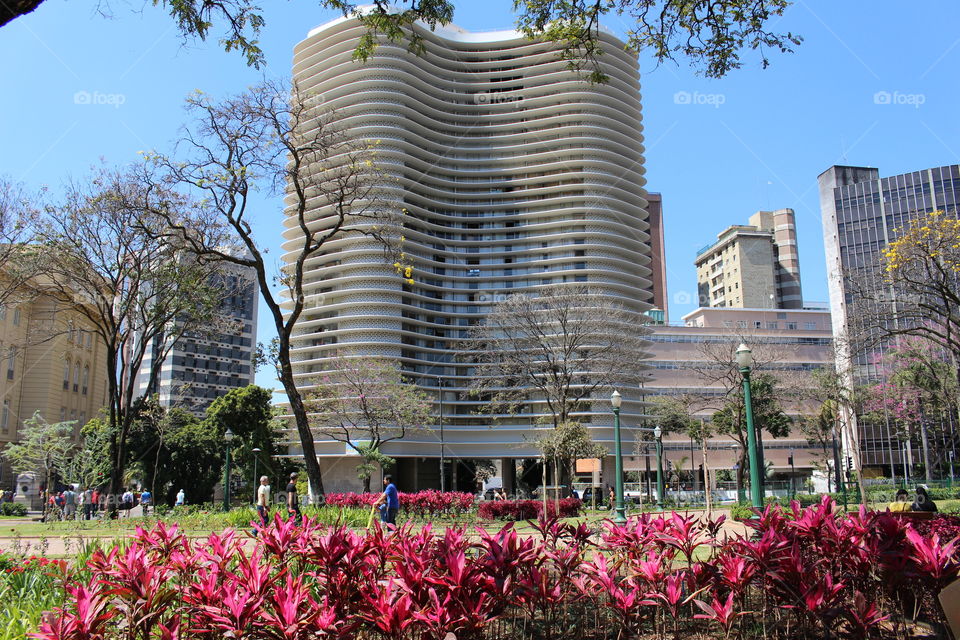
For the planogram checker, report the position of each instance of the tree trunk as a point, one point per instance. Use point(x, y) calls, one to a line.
point(299, 411)
point(706, 478)
point(924, 442)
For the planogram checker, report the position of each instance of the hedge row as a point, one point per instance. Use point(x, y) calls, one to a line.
point(529, 509)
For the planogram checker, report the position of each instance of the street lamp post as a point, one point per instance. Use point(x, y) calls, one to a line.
point(658, 437)
point(228, 439)
point(615, 402)
point(256, 483)
point(792, 476)
point(744, 361)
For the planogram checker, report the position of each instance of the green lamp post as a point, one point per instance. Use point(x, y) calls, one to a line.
point(228, 439)
point(658, 437)
point(615, 402)
point(745, 361)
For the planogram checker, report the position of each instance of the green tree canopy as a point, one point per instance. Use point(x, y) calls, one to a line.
point(711, 35)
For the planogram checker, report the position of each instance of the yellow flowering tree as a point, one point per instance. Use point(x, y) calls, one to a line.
point(922, 268)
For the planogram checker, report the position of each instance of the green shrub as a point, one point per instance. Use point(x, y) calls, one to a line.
point(741, 510)
point(13, 509)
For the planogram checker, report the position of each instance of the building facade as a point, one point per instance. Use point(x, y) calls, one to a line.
point(792, 343)
point(862, 213)
point(514, 175)
point(753, 266)
point(51, 363)
point(203, 365)
point(658, 256)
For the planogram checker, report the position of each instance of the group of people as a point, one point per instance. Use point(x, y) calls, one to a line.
point(921, 501)
point(263, 499)
point(75, 504)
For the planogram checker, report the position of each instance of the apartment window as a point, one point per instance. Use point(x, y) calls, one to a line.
point(76, 378)
point(63, 414)
point(3, 313)
point(5, 417)
point(757, 325)
point(741, 324)
point(773, 325)
point(11, 362)
point(792, 326)
point(83, 418)
point(727, 323)
point(73, 414)
point(810, 326)
point(66, 375)
point(16, 317)
point(86, 378)
point(89, 339)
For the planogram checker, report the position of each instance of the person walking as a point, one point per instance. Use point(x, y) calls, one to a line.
point(89, 502)
point(181, 498)
point(263, 500)
point(293, 500)
point(69, 503)
point(146, 501)
point(126, 501)
point(389, 502)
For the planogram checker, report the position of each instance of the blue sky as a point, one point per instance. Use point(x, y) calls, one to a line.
point(874, 84)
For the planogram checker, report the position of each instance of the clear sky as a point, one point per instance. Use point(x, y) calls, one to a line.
point(874, 84)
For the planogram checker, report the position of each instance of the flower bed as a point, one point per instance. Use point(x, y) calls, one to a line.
point(528, 509)
point(428, 503)
point(802, 573)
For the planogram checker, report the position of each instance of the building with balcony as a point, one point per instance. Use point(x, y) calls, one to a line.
point(205, 364)
point(514, 175)
point(754, 266)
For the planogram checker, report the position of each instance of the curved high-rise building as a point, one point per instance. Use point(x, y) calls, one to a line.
point(514, 175)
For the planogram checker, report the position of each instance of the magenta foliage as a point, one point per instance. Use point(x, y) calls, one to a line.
point(528, 509)
point(427, 503)
point(822, 572)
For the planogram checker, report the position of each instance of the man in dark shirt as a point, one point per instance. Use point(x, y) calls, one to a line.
point(293, 503)
point(389, 502)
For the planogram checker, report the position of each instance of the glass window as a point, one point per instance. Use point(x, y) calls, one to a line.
point(810, 326)
point(16, 317)
point(76, 378)
point(5, 416)
point(89, 339)
point(792, 326)
point(86, 378)
point(773, 325)
point(63, 414)
point(11, 362)
point(66, 375)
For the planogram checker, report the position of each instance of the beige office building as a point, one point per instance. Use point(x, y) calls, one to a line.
point(51, 362)
point(790, 344)
point(753, 266)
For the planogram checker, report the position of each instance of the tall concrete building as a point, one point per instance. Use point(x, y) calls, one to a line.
point(753, 266)
point(515, 176)
point(862, 214)
point(202, 366)
point(658, 255)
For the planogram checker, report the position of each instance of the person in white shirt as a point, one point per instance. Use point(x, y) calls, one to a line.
point(263, 500)
point(181, 498)
point(126, 501)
